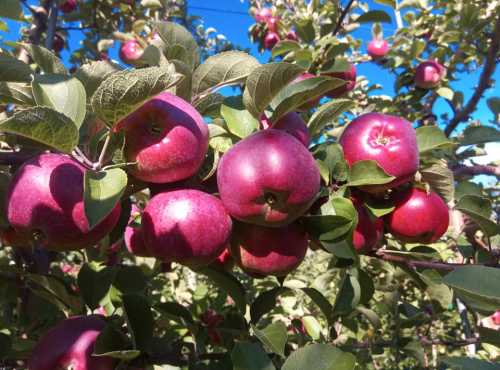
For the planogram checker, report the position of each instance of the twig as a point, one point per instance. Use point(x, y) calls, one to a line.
point(52, 23)
point(397, 14)
point(462, 310)
point(342, 17)
point(102, 156)
point(82, 157)
point(476, 170)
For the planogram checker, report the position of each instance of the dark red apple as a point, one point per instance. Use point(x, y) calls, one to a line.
point(130, 52)
point(271, 39)
point(272, 24)
point(349, 76)
point(45, 200)
point(133, 236)
point(186, 226)
point(268, 178)
point(167, 138)
point(262, 251)
point(368, 232)
point(429, 74)
point(496, 318)
point(419, 217)
point(69, 345)
point(57, 43)
point(263, 14)
point(291, 123)
point(224, 261)
point(292, 36)
point(378, 48)
point(67, 6)
point(389, 140)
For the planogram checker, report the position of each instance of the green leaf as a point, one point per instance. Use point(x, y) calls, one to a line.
point(92, 74)
point(139, 318)
point(265, 302)
point(94, 282)
point(54, 291)
point(176, 312)
point(273, 337)
point(391, 3)
point(43, 125)
point(46, 59)
point(445, 92)
point(312, 327)
point(320, 357)
point(16, 93)
point(466, 363)
point(239, 121)
point(379, 207)
point(320, 300)
point(494, 105)
point(123, 92)
point(368, 172)
point(130, 279)
point(265, 82)
point(11, 9)
point(179, 43)
point(473, 135)
point(488, 335)
point(13, 70)
point(374, 16)
point(62, 93)
point(305, 29)
point(477, 286)
point(112, 343)
point(101, 192)
point(184, 87)
point(441, 180)
point(284, 47)
point(479, 209)
point(209, 105)
point(431, 138)
point(250, 356)
point(348, 296)
point(370, 315)
point(5, 345)
point(327, 113)
point(226, 68)
point(331, 163)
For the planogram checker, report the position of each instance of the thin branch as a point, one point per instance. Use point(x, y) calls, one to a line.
point(104, 149)
point(342, 17)
point(484, 82)
point(73, 28)
point(52, 23)
point(477, 169)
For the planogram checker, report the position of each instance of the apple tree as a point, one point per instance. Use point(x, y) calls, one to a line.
point(194, 208)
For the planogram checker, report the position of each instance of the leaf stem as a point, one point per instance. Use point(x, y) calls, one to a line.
point(102, 156)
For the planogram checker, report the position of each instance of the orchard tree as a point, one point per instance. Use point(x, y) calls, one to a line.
point(300, 221)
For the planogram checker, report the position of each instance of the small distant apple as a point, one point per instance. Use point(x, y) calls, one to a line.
point(429, 74)
point(271, 39)
point(349, 76)
point(291, 123)
point(378, 48)
point(68, 6)
point(130, 52)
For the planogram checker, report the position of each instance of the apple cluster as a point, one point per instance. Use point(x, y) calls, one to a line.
point(268, 29)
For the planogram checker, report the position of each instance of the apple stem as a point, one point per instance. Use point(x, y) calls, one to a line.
point(80, 157)
point(102, 156)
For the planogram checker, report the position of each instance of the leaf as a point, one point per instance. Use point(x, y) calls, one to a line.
point(16, 93)
point(101, 192)
point(305, 29)
point(228, 283)
point(123, 92)
point(473, 135)
point(466, 363)
point(111, 342)
point(265, 82)
point(57, 292)
point(368, 172)
point(274, 337)
point(320, 300)
point(179, 43)
point(62, 93)
point(45, 59)
point(371, 316)
point(319, 357)
point(494, 105)
point(45, 126)
point(209, 105)
point(239, 121)
point(176, 312)
point(331, 163)
point(183, 88)
point(348, 296)
point(139, 318)
point(284, 47)
point(250, 356)
point(265, 302)
point(94, 283)
point(11, 9)
point(225, 68)
point(440, 178)
point(327, 113)
point(479, 209)
point(431, 138)
point(13, 70)
point(445, 92)
point(374, 16)
point(391, 3)
point(312, 327)
point(488, 335)
point(130, 279)
point(379, 207)
point(92, 74)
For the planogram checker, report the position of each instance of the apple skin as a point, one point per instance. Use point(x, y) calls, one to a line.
point(292, 36)
point(268, 178)
point(310, 103)
point(389, 140)
point(368, 231)
point(186, 226)
point(271, 39)
point(45, 197)
point(176, 150)
point(224, 261)
point(272, 24)
point(130, 52)
point(429, 74)
point(349, 76)
point(58, 43)
point(262, 251)
point(263, 14)
point(291, 123)
point(133, 236)
point(418, 217)
point(496, 318)
point(71, 344)
point(68, 6)
point(378, 48)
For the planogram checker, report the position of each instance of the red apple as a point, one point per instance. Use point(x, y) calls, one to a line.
point(224, 261)
point(69, 345)
point(429, 74)
point(130, 52)
point(292, 36)
point(419, 217)
point(263, 15)
point(13, 238)
point(496, 318)
point(262, 251)
point(186, 226)
point(45, 199)
point(378, 48)
point(368, 232)
point(291, 123)
point(271, 39)
point(57, 43)
point(268, 178)
point(133, 236)
point(349, 76)
point(167, 138)
point(389, 140)
point(272, 24)
point(67, 6)
point(310, 103)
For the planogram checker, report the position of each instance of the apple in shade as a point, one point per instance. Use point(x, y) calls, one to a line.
point(389, 140)
point(496, 318)
point(291, 123)
point(268, 178)
point(186, 226)
point(133, 236)
point(429, 74)
point(261, 251)
point(45, 201)
point(292, 36)
point(271, 39)
point(67, 6)
point(310, 103)
point(263, 14)
point(419, 217)
point(130, 51)
point(69, 345)
point(369, 230)
point(167, 138)
point(378, 48)
point(349, 76)
point(13, 238)
point(224, 261)
point(57, 43)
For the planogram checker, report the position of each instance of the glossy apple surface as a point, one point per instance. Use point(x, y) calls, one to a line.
point(58, 43)
point(263, 14)
point(291, 123)
point(369, 230)
point(130, 51)
point(429, 74)
point(496, 318)
point(349, 76)
point(271, 39)
point(268, 178)
point(389, 140)
point(45, 200)
point(133, 236)
point(167, 138)
point(378, 48)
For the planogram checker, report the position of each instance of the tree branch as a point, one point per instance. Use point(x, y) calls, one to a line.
point(477, 169)
point(51, 27)
point(342, 17)
point(484, 82)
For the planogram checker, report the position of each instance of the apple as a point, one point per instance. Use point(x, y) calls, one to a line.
point(312, 103)
point(496, 318)
point(291, 123)
point(262, 251)
point(271, 39)
point(57, 43)
point(67, 6)
point(45, 201)
point(70, 344)
point(378, 48)
point(368, 231)
point(133, 236)
point(263, 15)
point(419, 217)
point(429, 74)
point(349, 76)
point(130, 52)
point(167, 138)
point(268, 178)
point(292, 36)
point(186, 226)
point(272, 24)
point(389, 140)
point(224, 261)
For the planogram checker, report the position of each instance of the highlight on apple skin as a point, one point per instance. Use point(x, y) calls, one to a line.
point(378, 48)
point(429, 74)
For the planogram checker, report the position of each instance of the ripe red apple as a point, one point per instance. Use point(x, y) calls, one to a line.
point(186, 226)
point(224, 261)
point(389, 140)
point(292, 36)
point(68, 6)
point(13, 238)
point(272, 24)
point(419, 217)
point(429, 74)
point(263, 14)
point(262, 251)
point(130, 51)
point(349, 76)
point(271, 39)
point(310, 103)
point(496, 318)
point(57, 43)
point(368, 231)
point(378, 48)
point(167, 138)
point(45, 200)
point(268, 178)
point(133, 236)
point(69, 345)
point(291, 123)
